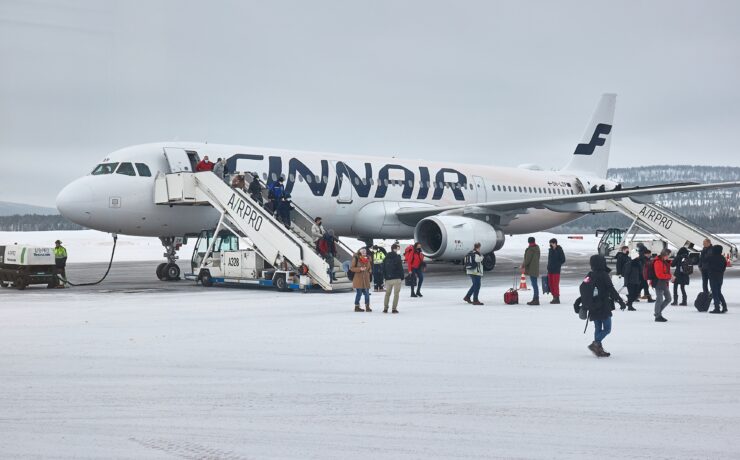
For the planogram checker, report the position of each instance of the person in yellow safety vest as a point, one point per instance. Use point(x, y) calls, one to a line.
point(378, 258)
point(60, 261)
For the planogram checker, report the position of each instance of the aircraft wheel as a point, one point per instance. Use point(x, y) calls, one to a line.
point(281, 283)
point(21, 282)
point(53, 283)
point(205, 279)
point(489, 261)
point(160, 271)
point(172, 272)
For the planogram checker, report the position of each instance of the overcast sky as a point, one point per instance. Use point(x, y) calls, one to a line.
point(487, 82)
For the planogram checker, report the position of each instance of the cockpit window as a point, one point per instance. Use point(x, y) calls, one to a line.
point(126, 169)
point(143, 170)
point(104, 168)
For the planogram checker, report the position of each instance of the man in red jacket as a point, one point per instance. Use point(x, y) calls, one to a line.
point(415, 264)
point(663, 277)
point(204, 165)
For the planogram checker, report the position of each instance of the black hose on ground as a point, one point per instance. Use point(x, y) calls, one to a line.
point(115, 240)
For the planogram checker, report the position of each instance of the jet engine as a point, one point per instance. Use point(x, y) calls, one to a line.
point(451, 237)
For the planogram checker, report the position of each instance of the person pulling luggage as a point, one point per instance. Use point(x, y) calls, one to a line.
point(474, 269)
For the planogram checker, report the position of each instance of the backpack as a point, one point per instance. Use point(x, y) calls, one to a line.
point(686, 267)
point(589, 293)
point(702, 302)
point(470, 263)
point(648, 271)
point(350, 273)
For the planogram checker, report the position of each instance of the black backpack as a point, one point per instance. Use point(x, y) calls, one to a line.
point(686, 267)
point(469, 261)
point(589, 296)
point(702, 302)
point(350, 273)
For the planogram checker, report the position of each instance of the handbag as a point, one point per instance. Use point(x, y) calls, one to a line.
point(411, 279)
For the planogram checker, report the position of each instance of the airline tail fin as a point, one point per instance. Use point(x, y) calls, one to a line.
point(591, 156)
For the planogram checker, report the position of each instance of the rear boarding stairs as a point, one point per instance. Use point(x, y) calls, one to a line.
point(277, 244)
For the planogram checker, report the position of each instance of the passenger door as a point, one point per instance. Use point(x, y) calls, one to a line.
point(480, 189)
point(177, 159)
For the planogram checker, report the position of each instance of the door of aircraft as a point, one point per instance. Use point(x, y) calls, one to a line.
point(178, 160)
point(480, 189)
point(345, 183)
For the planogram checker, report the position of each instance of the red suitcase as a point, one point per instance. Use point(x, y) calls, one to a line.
point(511, 297)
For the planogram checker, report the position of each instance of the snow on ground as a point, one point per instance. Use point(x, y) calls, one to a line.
point(231, 373)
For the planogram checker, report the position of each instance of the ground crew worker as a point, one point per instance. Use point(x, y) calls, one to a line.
point(60, 261)
point(378, 258)
point(393, 275)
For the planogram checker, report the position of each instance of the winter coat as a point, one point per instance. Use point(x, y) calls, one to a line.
point(532, 261)
point(716, 263)
point(218, 169)
point(317, 232)
point(393, 267)
point(632, 272)
point(604, 301)
point(555, 259)
point(277, 189)
point(204, 165)
point(478, 270)
point(414, 259)
point(681, 277)
point(255, 190)
point(361, 280)
point(662, 269)
point(704, 258)
point(622, 260)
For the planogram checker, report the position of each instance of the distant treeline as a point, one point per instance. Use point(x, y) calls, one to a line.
point(36, 223)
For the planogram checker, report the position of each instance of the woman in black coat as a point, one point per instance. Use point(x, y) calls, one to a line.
point(682, 278)
point(632, 275)
point(716, 265)
point(601, 309)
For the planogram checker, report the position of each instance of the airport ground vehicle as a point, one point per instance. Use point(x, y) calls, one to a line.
point(21, 266)
point(228, 260)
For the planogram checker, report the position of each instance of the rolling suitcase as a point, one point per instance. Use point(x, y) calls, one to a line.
point(511, 297)
point(703, 300)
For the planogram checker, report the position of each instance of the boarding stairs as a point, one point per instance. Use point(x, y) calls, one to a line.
point(670, 226)
point(272, 240)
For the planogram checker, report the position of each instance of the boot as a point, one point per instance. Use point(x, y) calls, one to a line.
point(603, 353)
point(660, 319)
point(555, 300)
point(385, 310)
point(357, 308)
point(631, 308)
point(535, 301)
point(716, 310)
point(594, 347)
point(724, 308)
point(413, 294)
point(467, 299)
point(418, 294)
point(394, 311)
point(367, 308)
point(650, 299)
point(675, 302)
point(683, 302)
point(476, 302)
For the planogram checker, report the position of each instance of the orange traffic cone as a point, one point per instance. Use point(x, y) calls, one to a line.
point(523, 283)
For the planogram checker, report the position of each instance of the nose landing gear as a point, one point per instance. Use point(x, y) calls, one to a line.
point(170, 271)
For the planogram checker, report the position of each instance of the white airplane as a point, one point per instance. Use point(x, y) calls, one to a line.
point(445, 206)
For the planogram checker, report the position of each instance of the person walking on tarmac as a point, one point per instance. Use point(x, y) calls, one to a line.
point(680, 273)
point(555, 260)
point(602, 305)
point(393, 275)
point(474, 269)
point(361, 267)
point(379, 255)
point(662, 269)
point(706, 251)
point(415, 264)
point(60, 262)
point(716, 266)
point(632, 275)
point(645, 259)
point(531, 267)
point(623, 258)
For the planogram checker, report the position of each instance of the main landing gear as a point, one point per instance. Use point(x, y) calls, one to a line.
point(489, 261)
point(169, 271)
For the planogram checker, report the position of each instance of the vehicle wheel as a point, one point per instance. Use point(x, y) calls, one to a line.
point(21, 283)
point(172, 272)
point(160, 271)
point(489, 261)
point(205, 279)
point(3, 284)
point(281, 283)
point(53, 283)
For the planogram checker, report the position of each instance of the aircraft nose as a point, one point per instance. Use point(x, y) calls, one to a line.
point(74, 202)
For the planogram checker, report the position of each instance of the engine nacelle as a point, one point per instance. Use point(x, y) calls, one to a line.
point(451, 237)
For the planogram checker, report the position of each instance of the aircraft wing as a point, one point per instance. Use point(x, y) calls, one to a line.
point(582, 203)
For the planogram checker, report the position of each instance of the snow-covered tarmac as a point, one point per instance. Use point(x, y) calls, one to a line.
point(229, 373)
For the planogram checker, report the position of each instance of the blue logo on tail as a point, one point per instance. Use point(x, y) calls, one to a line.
point(596, 140)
